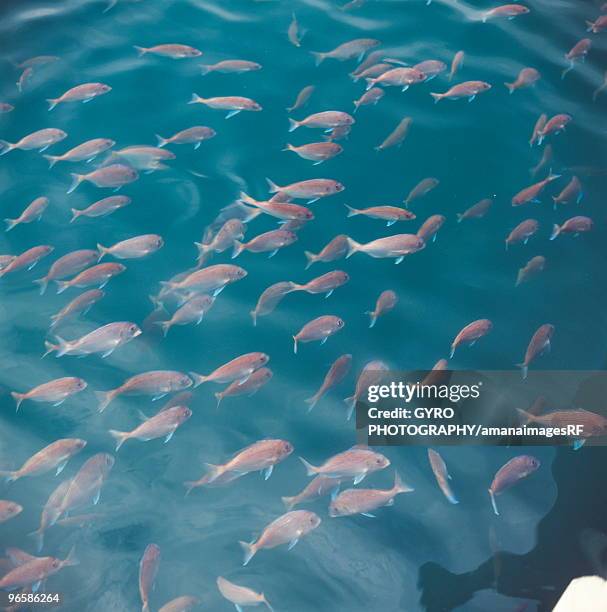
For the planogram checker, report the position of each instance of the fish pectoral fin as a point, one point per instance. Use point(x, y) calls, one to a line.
point(36, 586)
point(169, 436)
point(96, 498)
point(360, 478)
point(61, 467)
point(244, 380)
point(107, 353)
point(59, 402)
point(328, 294)
point(232, 113)
point(238, 608)
point(313, 200)
point(292, 543)
point(335, 492)
point(368, 514)
point(390, 502)
point(272, 253)
point(324, 340)
point(268, 472)
point(159, 396)
point(398, 259)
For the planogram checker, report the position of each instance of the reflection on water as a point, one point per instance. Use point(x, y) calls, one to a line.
point(422, 553)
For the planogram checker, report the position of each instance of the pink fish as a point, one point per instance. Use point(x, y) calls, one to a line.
point(98, 275)
point(148, 570)
point(337, 372)
point(348, 50)
point(191, 312)
point(239, 368)
point(372, 374)
point(270, 299)
point(509, 474)
point(270, 242)
point(397, 136)
point(522, 232)
point(232, 229)
point(539, 343)
point(133, 248)
point(184, 603)
point(311, 190)
point(509, 11)
point(390, 214)
point(8, 510)
point(104, 340)
point(170, 50)
point(471, 333)
point(79, 305)
point(537, 128)
point(572, 192)
point(397, 246)
point(555, 125)
point(71, 263)
point(386, 301)
point(335, 249)
point(40, 140)
point(320, 328)
point(194, 135)
point(327, 283)
point(257, 380)
point(317, 487)
point(532, 193)
point(241, 596)
point(533, 267)
point(439, 469)
point(578, 52)
point(575, 225)
point(430, 228)
point(431, 68)
point(33, 212)
point(356, 463)
point(303, 97)
point(87, 151)
point(101, 208)
point(369, 98)
point(402, 77)
point(477, 211)
point(364, 501)
point(35, 571)
point(546, 159)
point(318, 152)
point(325, 120)
point(56, 391)
point(230, 67)
point(526, 77)
point(456, 63)
point(80, 93)
point(233, 104)
point(285, 211)
point(288, 528)
point(424, 187)
point(468, 89)
point(114, 177)
point(598, 25)
point(212, 279)
point(28, 259)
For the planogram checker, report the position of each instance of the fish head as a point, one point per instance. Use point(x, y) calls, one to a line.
point(79, 444)
point(13, 509)
point(344, 277)
point(238, 273)
point(261, 360)
point(418, 76)
point(286, 448)
point(335, 509)
point(378, 461)
point(306, 215)
point(313, 521)
point(337, 187)
point(484, 86)
point(191, 52)
point(108, 461)
point(255, 106)
point(339, 323)
point(183, 413)
point(103, 88)
point(158, 242)
point(80, 384)
point(132, 331)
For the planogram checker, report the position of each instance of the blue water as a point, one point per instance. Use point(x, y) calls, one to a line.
point(422, 553)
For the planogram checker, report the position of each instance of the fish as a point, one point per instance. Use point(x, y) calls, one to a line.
point(355, 463)
point(369, 98)
point(5, 107)
point(572, 192)
point(439, 469)
point(239, 368)
point(526, 77)
point(471, 333)
point(546, 159)
point(81, 93)
point(371, 72)
point(522, 232)
point(533, 267)
point(270, 298)
point(575, 225)
point(212, 279)
point(191, 312)
point(40, 140)
point(5, 260)
point(348, 50)
point(476, 211)
point(28, 259)
point(230, 67)
point(532, 193)
point(257, 380)
point(317, 487)
point(371, 59)
point(233, 104)
point(337, 372)
point(311, 190)
point(33, 212)
point(9, 510)
point(50, 512)
point(430, 228)
point(171, 50)
point(386, 301)
point(467, 89)
point(51, 457)
point(184, 603)
point(232, 229)
point(287, 528)
point(98, 275)
point(578, 52)
point(261, 456)
point(101, 208)
point(317, 152)
point(554, 125)
point(320, 328)
point(194, 135)
point(293, 33)
point(285, 211)
point(509, 11)
point(105, 340)
point(327, 283)
point(162, 425)
point(537, 128)
point(68, 264)
point(148, 570)
point(424, 187)
point(79, 305)
point(336, 249)
point(241, 596)
point(325, 120)
point(114, 176)
point(431, 68)
point(510, 473)
point(397, 136)
point(55, 391)
point(34, 572)
point(87, 151)
point(38, 60)
point(303, 97)
point(597, 91)
point(456, 63)
point(402, 77)
point(156, 383)
point(539, 343)
point(270, 242)
point(390, 214)
point(142, 157)
point(396, 246)
point(338, 133)
point(133, 248)
point(598, 25)
point(372, 374)
point(365, 501)
point(24, 78)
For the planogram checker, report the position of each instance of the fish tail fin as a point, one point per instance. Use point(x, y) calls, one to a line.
point(141, 51)
point(161, 142)
point(493, 503)
point(218, 397)
point(8, 476)
point(62, 286)
point(274, 188)
point(52, 102)
point(318, 57)
point(238, 248)
point(61, 347)
point(527, 417)
point(165, 326)
point(190, 485)
point(311, 401)
point(75, 214)
point(43, 282)
point(10, 223)
point(197, 378)
point(460, 217)
point(18, 397)
point(295, 345)
point(52, 160)
point(373, 316)
point(204, 70)
point(310, 257)
point(556, 230)
point(5, 147)
point(352, 212)
point(552, 176)
point(353, 247)
point(289, 502)
point(399, 485)
point(524, 369)
point(76, 180)
point(293, 125)
point(249, 551)
point(590, 25)
point(195, 99)
point(104, 398)
point(103, 251)
point(253, 314)
point(510, 87)
point(247, 199)
point(436, 96)
point(120, 436)
point(310, 469)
